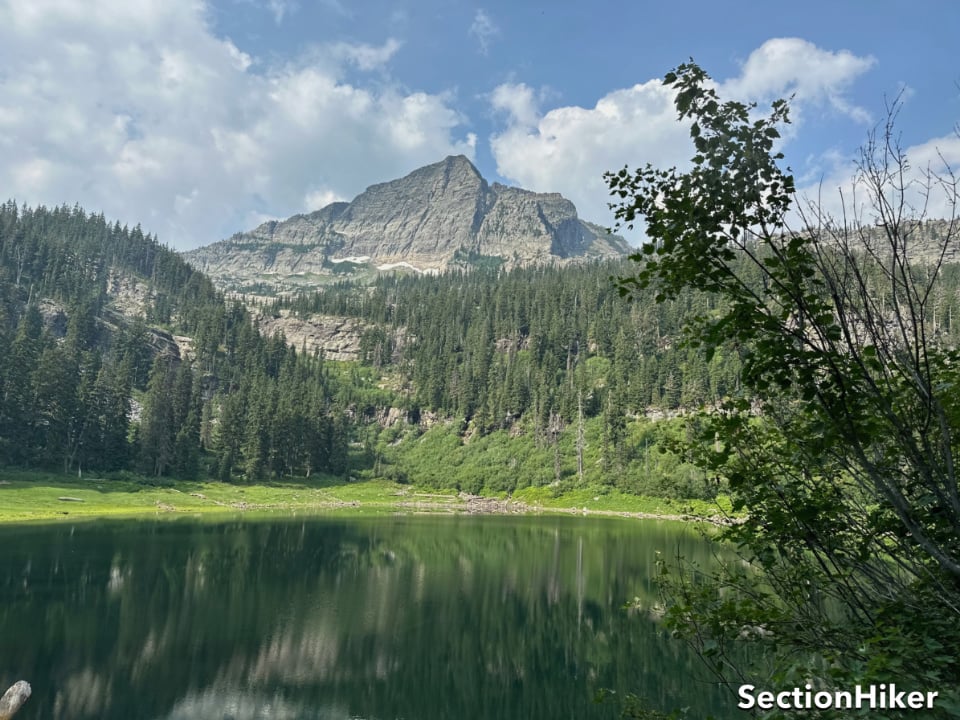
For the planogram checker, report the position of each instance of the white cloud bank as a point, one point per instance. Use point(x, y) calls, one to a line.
point(567, 149)
point(135, 108)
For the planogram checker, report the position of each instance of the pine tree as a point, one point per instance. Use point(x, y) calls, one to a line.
point(157, 425)
point(55, 383)
point(187, 411)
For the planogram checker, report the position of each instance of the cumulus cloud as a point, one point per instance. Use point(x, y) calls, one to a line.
point(484, 30)
point(135, 108)
point(568, 149)
point(782, 67)
point(519, 102)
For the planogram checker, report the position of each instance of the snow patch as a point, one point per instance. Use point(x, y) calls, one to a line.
point(392, 266)
point(352, 259)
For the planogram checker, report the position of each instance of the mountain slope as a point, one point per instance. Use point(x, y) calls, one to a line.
point(439, 216)
point(117, 355)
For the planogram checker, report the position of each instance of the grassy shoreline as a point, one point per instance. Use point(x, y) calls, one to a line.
point(32, 497)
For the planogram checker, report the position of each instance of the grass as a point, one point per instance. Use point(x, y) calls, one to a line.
point(614, 501)
point(32, 496)
point(26, 496)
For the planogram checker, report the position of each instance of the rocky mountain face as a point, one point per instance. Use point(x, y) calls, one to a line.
point(338, 338)
point(440, 216)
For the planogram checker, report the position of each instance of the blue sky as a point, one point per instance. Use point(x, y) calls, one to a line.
point(199, 118)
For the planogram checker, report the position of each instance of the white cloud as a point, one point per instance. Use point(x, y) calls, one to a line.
point(366, 57)
point(32, 174)
point(483, 29)
point(790, 66)
point(567, 149)
point(316, 199)
point(842, 192)
point(519, 102)
point(135, 108)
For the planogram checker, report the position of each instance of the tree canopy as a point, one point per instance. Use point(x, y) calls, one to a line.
point(85, 387)
point(842, 446)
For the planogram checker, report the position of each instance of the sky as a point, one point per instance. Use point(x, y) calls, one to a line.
point(202, 118)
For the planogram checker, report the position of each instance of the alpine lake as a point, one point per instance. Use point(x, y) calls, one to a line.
point(373, 618)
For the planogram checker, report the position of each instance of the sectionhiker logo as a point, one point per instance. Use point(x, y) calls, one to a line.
point(873, 697)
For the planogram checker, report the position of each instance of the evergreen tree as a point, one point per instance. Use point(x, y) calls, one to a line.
point(158, 422)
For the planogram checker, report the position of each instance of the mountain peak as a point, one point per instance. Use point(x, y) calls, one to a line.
point(438, 216)
point(459, 160)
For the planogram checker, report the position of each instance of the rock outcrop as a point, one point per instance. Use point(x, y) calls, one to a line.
point(14, 698)
point(440, 216)
point(338, 338)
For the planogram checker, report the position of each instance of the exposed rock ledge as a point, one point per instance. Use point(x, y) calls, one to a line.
point(337, 337)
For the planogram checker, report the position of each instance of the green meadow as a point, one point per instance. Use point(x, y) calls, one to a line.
point(32, 496)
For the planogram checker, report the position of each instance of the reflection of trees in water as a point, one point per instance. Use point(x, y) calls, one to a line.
point(491, 617)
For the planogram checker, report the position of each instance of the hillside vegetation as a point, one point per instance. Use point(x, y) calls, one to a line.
point(483, 382)
point(86, 387)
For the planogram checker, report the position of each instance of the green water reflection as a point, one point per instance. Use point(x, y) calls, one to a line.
point(413, 618)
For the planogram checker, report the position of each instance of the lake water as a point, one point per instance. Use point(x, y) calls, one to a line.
point(500, 618)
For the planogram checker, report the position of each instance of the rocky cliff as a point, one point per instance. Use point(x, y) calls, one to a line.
point(440, 216)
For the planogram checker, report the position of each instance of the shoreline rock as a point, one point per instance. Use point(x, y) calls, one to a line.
point(14, 698)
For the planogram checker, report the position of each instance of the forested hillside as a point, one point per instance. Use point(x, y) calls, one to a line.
point(549, 366)
point(118, 356)
point(493, 347)
point(85, 386)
